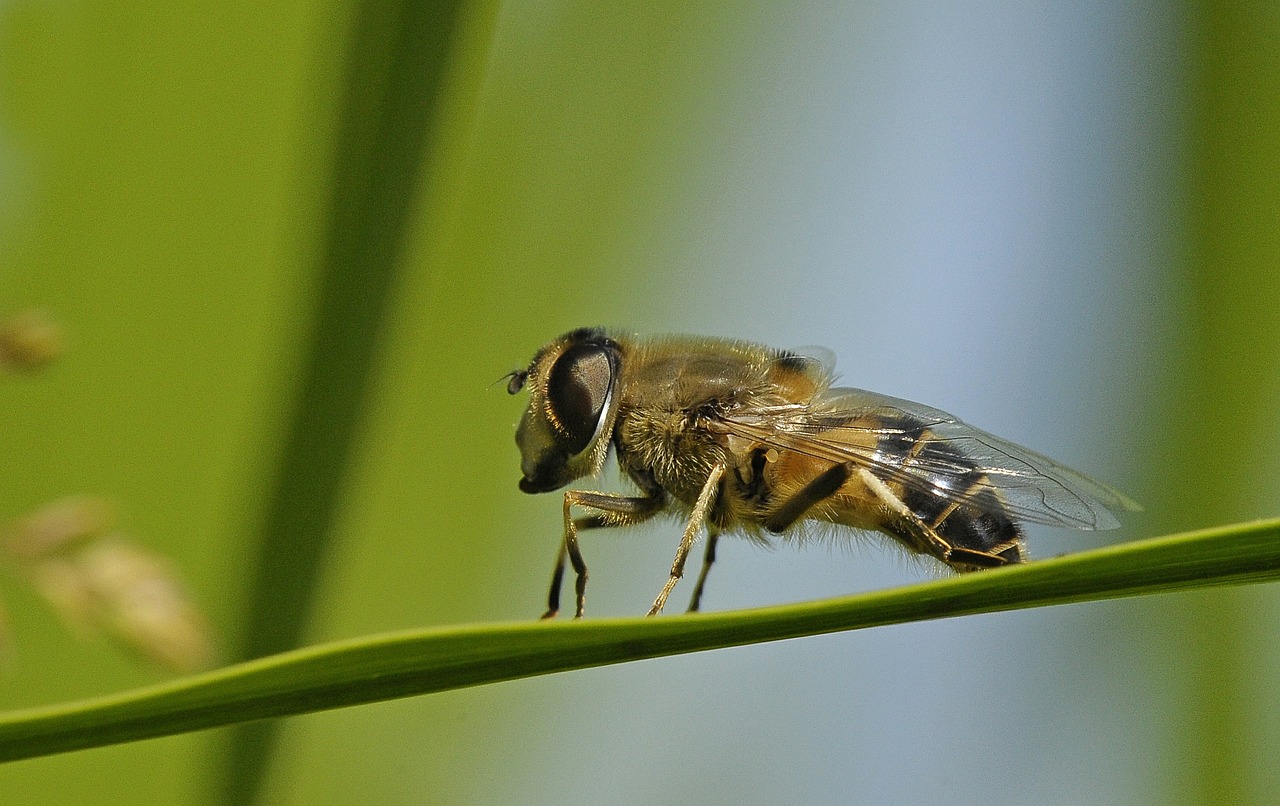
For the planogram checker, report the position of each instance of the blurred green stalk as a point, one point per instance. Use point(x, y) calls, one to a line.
point(1232, 378)
point(396, 60)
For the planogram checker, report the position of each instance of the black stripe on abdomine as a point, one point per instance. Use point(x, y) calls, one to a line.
point(980, 523)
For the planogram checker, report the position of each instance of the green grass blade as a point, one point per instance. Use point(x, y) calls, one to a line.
point(405, 664)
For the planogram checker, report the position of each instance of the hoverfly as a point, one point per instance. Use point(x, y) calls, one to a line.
point(742, 438)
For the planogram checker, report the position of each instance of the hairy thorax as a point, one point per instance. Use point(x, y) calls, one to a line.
point(670, 447)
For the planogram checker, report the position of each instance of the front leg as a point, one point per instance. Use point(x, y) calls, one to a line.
point(614, 510)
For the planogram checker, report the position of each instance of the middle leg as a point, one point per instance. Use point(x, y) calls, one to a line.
point(708, 559)
point(699, 516)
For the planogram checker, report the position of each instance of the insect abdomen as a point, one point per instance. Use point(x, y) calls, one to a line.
point(972, 523)
point(980, 526)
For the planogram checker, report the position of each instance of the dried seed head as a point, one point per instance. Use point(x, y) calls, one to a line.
point(63, 585)
point(29, 340)
point(60, 526)
point(139, 598)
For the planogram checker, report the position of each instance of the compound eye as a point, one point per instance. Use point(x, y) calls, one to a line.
point(578, 390)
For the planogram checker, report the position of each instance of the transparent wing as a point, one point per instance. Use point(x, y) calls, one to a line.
point(930, 450)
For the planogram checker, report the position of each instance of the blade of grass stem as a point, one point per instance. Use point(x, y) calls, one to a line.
point(405, 664)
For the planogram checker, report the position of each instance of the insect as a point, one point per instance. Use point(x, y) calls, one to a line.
point(742, 438)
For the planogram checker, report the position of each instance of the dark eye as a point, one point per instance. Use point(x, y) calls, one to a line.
point(578, 390)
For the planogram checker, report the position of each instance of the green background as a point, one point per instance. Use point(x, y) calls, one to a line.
point(164, 173)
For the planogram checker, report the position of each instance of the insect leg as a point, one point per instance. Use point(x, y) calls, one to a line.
point(979, 532)
point(613, 510)
point(822, 486)
point(931, 541)
point(696, 520)
point(557, 578)
point(707, 560)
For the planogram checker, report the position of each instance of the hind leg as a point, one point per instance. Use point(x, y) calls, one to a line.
point(964, 536)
